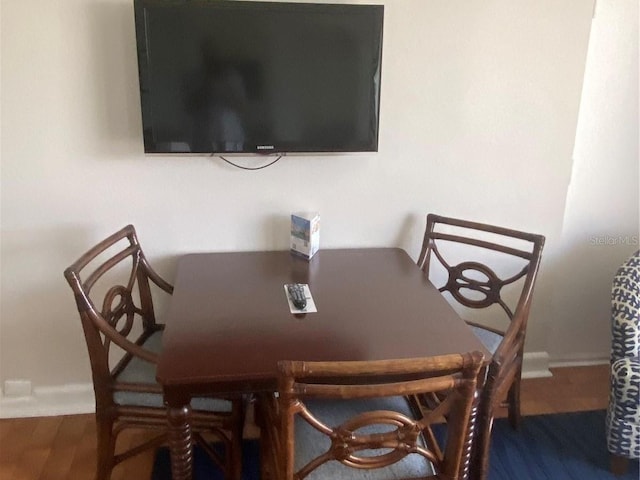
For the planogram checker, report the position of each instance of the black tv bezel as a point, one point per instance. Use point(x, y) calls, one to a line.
point(147, 108)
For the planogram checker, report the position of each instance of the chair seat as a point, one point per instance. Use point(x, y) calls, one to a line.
point(489, 339)
point(309, 443)
point(142, 372)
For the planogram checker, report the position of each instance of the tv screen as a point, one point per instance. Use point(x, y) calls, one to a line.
point(258, 77)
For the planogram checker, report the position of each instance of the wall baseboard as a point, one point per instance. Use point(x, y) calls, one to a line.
point(578, 361)
point(78, 398)
point(50, 401)
point(535, 365)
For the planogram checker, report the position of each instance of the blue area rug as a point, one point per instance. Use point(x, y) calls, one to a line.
point(570, 446)
point(204, 468)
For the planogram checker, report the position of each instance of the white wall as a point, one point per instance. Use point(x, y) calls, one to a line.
point(480, 104)
point(603, 206)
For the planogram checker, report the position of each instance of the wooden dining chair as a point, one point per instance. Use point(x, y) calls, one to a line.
point(468, 255)
point(353, 420)
point(112, 284)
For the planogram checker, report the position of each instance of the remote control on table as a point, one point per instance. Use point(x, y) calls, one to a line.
point(296, 294)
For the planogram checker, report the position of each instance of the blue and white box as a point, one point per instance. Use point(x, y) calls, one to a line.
point(305, 233)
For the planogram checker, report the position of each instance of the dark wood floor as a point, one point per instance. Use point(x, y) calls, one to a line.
point(63, 447)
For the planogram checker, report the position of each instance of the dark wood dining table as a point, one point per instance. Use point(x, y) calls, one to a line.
point(229, 322)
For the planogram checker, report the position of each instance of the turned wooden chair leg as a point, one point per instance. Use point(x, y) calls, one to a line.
point(258, 418)
point(235, 456)
point(265, 420)
point(513, 400)
point(619, 464)
point(482, 439)
point(105, 448)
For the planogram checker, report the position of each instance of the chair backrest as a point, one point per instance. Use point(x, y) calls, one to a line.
point(453, 377)
point(111, 285)
point(474, 283)
point(625, 309)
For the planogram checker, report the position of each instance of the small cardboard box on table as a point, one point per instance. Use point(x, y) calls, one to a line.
point(305, 233)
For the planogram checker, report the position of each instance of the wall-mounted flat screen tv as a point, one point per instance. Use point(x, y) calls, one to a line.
point(258, 77)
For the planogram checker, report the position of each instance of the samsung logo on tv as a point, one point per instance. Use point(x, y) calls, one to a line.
point(265, 147)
